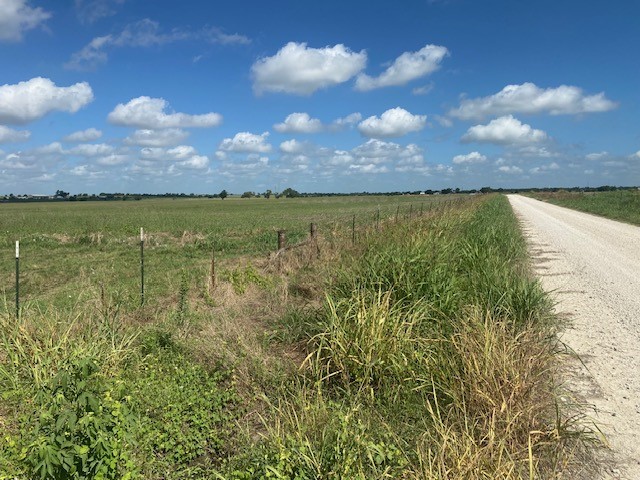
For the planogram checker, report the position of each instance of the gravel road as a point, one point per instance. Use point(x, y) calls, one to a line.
point(591, 266)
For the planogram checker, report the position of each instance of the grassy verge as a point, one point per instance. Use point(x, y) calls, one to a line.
point(432, 356)
point(621, 205)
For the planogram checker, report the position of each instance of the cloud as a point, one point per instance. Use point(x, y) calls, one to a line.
point(635, 155)
point(407, 67)
point(531, 99)
point(195, 162)
point(31, 100)
point(395, 122)
point(300, 70)
point(292, 147)
point(425, 89)
point(91, 150)
point(113, 159)
point(17, 17)
point(469, 158)
point(88, 135)
point(505, 130)
point(90, 11)
point(149, 113)
point(299, 123)
point(246, 142)
point(9, 135)
point(143, 34)
point(157, 138)
point(596, 156)
point(250, 167)
point(510, 169)
point(347, 121)
point(545, 168)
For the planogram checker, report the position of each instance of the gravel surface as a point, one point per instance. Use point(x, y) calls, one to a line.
point(591, 266)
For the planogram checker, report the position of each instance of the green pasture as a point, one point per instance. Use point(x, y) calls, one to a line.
point(623, 205)
point(75, 251)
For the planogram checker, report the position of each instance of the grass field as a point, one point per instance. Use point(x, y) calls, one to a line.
point(76, 247)
point(623, 205)
point(422, 350)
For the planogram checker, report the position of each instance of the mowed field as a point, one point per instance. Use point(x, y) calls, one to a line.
point(73, 249)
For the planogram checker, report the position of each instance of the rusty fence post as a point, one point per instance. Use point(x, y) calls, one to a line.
point(282, 239)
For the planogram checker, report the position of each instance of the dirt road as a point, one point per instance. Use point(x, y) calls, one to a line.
point(592, 267)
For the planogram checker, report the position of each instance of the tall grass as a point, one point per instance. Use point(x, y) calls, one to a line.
point(436, 349)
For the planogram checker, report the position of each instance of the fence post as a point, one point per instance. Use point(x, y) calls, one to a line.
point(421, 208)
point(282, 239)
point(378, 219)
point(313, 230)
point(212, 273)
point(141, 266)
point(353, 230)
point(17, 279)
point(410, 211)
point(397, 213)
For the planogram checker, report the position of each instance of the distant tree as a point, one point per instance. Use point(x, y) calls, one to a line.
point(486, 190)
point(289, 193)
point(62, 194)
point(446, 191)
point(223, 194)
point(248, 195)
point(268, 194)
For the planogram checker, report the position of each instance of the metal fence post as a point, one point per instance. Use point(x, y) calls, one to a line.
point(17, 279)
point(141, 266)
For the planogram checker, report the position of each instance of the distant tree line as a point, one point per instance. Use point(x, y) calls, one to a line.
point(61, 195)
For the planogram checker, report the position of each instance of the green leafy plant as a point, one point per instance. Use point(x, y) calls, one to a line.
point(80, 427)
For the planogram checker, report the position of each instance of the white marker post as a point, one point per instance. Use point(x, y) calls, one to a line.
point(141, 266)
point(17, 279)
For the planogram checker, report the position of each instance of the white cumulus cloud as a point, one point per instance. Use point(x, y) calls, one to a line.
point(246, 142)
point(469, 158)
point(510, 169)
point(302, 70)
point(405, 68)
point(149, 113)
point(16, 17)
point(292, 146)
point(27, 101)
point(9, 135)
point(505, 130)
point(530, 99)
point(156, 138)
point(395, 122)
point(88, 135)
point(299, 123)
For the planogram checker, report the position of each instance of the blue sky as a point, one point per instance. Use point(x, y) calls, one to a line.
point(333, 96)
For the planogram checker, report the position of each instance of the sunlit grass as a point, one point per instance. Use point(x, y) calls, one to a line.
point(621, 205)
